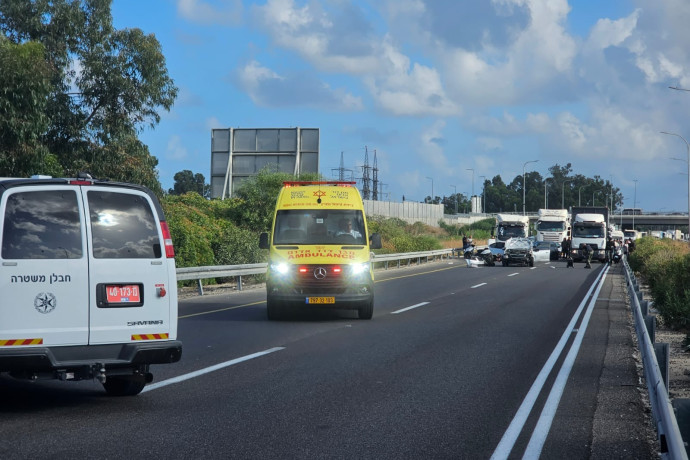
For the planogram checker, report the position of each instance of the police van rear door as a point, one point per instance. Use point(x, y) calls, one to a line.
point(129, 274)
point(44, 268)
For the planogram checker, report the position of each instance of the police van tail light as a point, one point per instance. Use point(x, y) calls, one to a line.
point(167, 241)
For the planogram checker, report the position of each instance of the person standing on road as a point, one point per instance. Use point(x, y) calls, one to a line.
point(587, 252)
point(609, 250)
point(565, 247)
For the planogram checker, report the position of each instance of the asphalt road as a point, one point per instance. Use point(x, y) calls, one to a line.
point(448, 378)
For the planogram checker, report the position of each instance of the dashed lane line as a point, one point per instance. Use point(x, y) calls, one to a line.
point(215, 367)
point(409, 308)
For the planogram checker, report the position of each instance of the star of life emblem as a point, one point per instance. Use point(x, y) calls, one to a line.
point(45, 302)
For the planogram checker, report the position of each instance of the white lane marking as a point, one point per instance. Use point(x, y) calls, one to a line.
point(477, 285)
point(409, 308)
point(536, 442)
point(191, 375)
point(516, 425)
point(513, 274)
point(532, 268)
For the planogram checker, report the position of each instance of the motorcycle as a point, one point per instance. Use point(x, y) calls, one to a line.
point(488, 257)
point(473, 259)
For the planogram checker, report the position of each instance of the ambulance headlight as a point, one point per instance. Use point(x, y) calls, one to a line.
point(358, 269)
point(281, 268)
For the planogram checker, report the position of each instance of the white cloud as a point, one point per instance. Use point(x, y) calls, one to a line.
point(175, 150)
point(409, 90)
point(539, 56)
point(606, 32)
point(267, 88)
point(431, 150)
point(214, 123)
point(313, 34)
point(397, 85)
point(223, 12)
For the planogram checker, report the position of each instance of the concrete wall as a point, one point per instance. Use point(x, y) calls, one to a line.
point(412, 212)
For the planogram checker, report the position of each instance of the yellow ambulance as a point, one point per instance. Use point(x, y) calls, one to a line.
point(319, 250)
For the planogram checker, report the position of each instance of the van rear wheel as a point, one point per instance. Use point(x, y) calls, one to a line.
point(124, 386)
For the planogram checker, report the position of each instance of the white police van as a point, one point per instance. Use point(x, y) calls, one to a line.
point(87, 282)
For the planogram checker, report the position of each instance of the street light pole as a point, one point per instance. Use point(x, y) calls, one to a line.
point(579, 195)
point(456, 198)
point(523, 184)
point(563, 192)
point(634, 204)
point(432, 189)
point(483, 195)
point(688, 151)
point(472, 196)
point(546, 200)
point(596, 191)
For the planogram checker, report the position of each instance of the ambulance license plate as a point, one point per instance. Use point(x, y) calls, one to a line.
point(123, 293)
point(320, 300)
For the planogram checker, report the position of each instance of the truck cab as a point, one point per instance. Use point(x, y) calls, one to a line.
point(553, 225)
point(589, 229)
point(509, 226)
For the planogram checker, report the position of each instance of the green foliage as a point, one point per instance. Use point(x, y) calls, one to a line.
point(480, 230)
point(25, 82)
point(187, 181)
point(122, 83)
point(665, 266)
point(257, 198)
point(399, 236)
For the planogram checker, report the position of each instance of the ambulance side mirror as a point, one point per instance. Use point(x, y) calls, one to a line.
point(374, 241)
point(263, 240)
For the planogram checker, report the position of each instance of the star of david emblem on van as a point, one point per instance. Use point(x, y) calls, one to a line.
point(45, 302)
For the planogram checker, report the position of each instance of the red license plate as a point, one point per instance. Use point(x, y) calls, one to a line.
point(126, 293)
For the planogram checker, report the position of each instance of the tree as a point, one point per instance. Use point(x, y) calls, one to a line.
point(257, 198)
point(187, 181)
point(23, 110)
point(94, 113)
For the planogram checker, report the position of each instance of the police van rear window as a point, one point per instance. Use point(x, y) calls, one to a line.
point(42, 225)
point(123, 226)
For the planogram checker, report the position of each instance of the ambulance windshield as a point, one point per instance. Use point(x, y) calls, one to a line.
point(319, 227)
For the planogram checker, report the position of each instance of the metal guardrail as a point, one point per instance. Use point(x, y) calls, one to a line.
point(238, 271)
point(668, 432)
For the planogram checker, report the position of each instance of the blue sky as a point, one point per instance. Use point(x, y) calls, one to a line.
point(435, 87)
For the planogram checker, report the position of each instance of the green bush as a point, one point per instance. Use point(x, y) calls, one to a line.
point(665, 266)
point(399, 236)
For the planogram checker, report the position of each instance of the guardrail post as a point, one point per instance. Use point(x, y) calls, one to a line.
point(644, 307)
point(200, 288)
point(661, 350)
point(239, 283)
point(650, 322)
point(681, 407)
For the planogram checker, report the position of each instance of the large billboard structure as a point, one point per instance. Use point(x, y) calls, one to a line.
point(239, 153)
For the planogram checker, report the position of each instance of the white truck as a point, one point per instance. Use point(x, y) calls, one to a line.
point(509, 226)
point(553, 225)
point(589, 229)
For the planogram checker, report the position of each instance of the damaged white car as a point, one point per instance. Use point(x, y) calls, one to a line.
point(518, 251)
